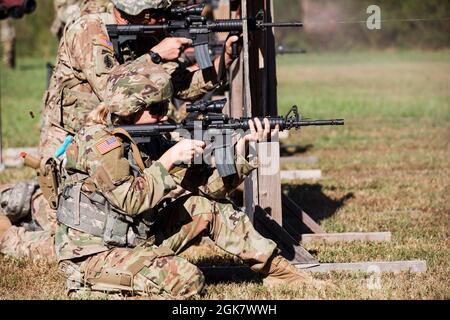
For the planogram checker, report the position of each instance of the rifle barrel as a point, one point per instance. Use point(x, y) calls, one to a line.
point(143, 130)
point(282, 24)
point(137, 28)
point(283, 124)
point(331, 122)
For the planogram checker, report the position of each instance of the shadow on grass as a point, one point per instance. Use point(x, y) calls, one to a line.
point(287, 150)
point(312, 199)
point(223, 271)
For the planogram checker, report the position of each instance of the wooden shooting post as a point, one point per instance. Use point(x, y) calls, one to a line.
point(254, 93)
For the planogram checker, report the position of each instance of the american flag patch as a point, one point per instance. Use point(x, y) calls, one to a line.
point(107, 43)
point(107, 145)
point(104, 41)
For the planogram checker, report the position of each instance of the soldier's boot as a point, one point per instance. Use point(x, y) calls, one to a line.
point(280, 271)
point(5, 224)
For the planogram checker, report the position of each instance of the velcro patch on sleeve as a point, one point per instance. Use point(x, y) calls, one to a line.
point(108, 144)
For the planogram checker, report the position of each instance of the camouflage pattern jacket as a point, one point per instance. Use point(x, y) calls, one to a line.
point(106, 159)
point(84, 61)
point(67, 11)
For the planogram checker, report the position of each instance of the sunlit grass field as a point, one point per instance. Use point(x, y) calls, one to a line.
point(388, 169)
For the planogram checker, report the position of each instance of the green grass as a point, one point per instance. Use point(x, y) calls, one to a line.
point(383, 86)
point(387, 169)
point(21, 93)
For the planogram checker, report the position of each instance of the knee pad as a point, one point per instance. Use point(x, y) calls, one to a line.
point(195, 283)
point(16, 201)
point(183, 280)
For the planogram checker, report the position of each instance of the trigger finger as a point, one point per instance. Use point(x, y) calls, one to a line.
point(185, 41)
point(199, 143)
point(198, 150)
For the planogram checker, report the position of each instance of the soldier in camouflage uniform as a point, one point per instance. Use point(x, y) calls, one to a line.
point(86, 58)
point(85, 62)
point(131, 244)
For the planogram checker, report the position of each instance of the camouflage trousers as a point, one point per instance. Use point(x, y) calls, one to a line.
point(20, 242)
point(190, 217)
point(146, 270)
point(142, 271)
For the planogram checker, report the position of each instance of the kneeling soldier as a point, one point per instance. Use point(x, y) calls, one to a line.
point(116, 234)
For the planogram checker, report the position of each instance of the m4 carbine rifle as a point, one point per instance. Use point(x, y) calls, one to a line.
point(207, 117)
point(188, 22)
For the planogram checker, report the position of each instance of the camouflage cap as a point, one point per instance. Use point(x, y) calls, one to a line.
point(132, 87)
point(134, 7)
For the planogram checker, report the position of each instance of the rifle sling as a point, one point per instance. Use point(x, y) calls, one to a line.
point(220, 77)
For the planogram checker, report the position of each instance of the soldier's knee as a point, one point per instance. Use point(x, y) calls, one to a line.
point(181, 278)
point(194, 281)
point(200, 206)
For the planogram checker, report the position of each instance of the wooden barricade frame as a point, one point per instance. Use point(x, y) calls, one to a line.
point(253, 92)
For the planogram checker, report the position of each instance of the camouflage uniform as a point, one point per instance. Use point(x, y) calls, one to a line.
point(152, 265)
point(8, 39)
point(104, 162)
point(65, 11)
point(85, 62)
point(32, 236)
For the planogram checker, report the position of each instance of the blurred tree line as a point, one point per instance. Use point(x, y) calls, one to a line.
point(33, 32)
point(321, 31)
point(341, 25)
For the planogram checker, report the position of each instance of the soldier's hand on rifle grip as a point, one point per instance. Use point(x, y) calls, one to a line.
point(236, 47)
point(232, 49)
point(171, 48)
point(182, 152)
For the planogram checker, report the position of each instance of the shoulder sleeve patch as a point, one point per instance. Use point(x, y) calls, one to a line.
point(108, 144)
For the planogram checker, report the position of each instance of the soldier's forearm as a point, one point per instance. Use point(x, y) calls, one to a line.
point(139, 194)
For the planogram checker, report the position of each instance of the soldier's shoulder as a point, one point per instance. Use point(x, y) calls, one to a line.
point(92, 145)
point(90, 135)
point(89, 22)
point(94, 131)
